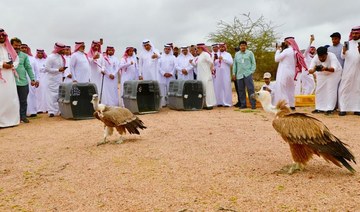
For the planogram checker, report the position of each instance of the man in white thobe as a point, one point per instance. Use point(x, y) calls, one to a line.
point(205, 71)
point(97, 65)
point(185, 71)
point(55, 66)
point(67, 76)
point(41, 93)
point(148, 62)
point(167, 73)
point(9, 110)
point(110, 95)
point(222, 79)
point(80, 64)
point(349, 89)
point(128, 70)
point(328, 74)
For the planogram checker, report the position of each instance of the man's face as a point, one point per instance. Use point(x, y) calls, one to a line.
point(96, 47)
point(40, 55)
point(215, 48)
point(243, 47)
point(23, 49)
point(16, 46)
point(176, 52)
point(167, 50)
point(147, 47)
point(335, 41)
point(267, 80)
point(82, 48)
point(312, 50)
point(222, 48)
point(130, 52)
point(322, 58)
point(2, 37)
point(110, 52)
point(356, 35)
point(193, 51)
point(185, 51)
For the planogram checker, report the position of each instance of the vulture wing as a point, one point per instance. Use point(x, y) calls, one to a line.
point(122, 118)
point(308, 135)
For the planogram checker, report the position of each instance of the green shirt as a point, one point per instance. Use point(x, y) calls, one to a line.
point(24, 68)
point(244, 64)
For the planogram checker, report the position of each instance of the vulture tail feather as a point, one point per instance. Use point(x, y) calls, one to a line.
point(345, 163)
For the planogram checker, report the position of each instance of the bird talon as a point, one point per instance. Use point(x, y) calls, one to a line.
point(102, 142)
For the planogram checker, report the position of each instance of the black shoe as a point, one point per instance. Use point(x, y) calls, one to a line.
point(253, 108)
point(40, 112)
point(25, 120)
point(329, 112)
point(242, 107)
point(219, 106)
point(33, 115)
point(316, 111)
point(208, 108)
point(51, 115)
point(236, 105)
point(292, 108)
point(357, 113)
point(341, 113)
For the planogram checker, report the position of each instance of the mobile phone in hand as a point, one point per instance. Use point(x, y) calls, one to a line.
point(10, 62)
point(346, 45)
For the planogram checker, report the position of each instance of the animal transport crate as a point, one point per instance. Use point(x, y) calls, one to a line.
point(142, 96)
point(186, 95)
point(75, 100)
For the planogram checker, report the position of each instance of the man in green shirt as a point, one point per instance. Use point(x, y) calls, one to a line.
point(22, 83)
point(243, 68)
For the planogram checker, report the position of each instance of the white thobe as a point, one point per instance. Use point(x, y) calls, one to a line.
point(9, 109)
point(148, 67)
point(349, 89)
point(128, 71)
point(67, 71)
point(166, 65)
point(203, 67)
point(53, 63)
point(96, 67)
point(110, 94)
point(327, 82)
point(182, 62)
point(305, 83)
point(80, 67)
point(41, 93)
point(31, 98)
point(222, 79)
point(285, 85)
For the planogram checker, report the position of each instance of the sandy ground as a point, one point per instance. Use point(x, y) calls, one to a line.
point(219, 160)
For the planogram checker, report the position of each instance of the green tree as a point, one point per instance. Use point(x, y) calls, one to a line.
point(259, 34)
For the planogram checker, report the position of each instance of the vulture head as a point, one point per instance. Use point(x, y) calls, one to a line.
point(97, 106)
point(264, 97)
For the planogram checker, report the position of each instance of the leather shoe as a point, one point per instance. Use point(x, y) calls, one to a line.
point(316, 111)
point(329, 112)
point(292, 108)
point(51, 115)
point(341, 113)
point(25, 120)
point(357, 113)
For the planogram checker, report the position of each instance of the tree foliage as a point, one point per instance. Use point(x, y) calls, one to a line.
point(259, 34)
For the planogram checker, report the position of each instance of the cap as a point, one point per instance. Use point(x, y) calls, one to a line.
point(336, 35)
point(267, 75)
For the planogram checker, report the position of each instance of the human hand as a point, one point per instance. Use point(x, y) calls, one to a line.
point(111, 76)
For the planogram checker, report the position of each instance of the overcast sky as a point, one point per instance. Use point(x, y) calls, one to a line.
point(41, 23)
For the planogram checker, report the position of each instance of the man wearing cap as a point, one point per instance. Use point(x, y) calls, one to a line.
point(243, 70)
point(185, 71)
point(349, 91)
point(291, 62)
point(336, 47)
point(167, 72)
point(269, 86)
point(148, 62)
point(55, 66)
point(9, 110)
point(110, 95)
point(128, 70)
point(40, 59)
point(222, 79)
point(80, 64)
point(24, 71)
point(328, 73)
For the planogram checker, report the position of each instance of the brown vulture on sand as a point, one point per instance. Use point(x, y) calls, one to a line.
point(116, 117)
point(305, 135)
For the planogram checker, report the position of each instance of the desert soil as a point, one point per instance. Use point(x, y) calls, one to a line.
point(218, 160)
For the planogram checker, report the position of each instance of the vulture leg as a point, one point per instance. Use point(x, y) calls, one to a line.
point(120, 140)
point(291, 169)
point(108, 131)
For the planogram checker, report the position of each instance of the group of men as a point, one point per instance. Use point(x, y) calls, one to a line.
point(335, 70)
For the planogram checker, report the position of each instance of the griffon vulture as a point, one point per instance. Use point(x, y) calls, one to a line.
point(116, 117)
point(305, 135)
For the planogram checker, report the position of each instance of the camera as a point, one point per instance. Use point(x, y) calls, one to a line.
point(318, 68)
point(216, 57)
